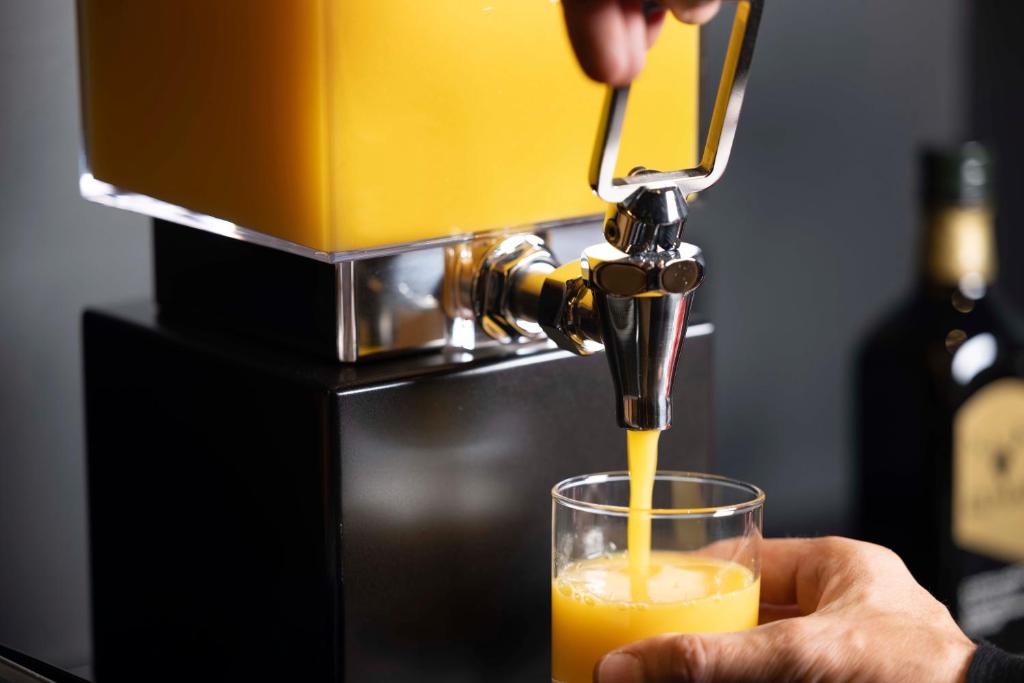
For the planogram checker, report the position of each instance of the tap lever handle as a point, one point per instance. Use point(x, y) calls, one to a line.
point(721, 132)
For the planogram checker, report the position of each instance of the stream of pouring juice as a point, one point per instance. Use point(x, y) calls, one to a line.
point(642, 449)
point(600, 604)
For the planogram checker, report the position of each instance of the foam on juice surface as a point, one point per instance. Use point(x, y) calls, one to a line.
point(672, 578)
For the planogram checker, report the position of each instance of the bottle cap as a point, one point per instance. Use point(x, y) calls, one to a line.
point(958, 175)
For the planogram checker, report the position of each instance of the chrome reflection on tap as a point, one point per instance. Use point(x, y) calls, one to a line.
point(631, 295)
point(643, 302)
point(507, 284)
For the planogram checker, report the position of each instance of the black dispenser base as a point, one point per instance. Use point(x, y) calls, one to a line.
point(258, 514)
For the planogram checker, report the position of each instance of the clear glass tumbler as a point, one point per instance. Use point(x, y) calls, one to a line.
point(699, 572)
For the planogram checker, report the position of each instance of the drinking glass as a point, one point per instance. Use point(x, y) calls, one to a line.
point(701, 574)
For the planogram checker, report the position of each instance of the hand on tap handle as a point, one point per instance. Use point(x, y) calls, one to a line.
point(611, 37)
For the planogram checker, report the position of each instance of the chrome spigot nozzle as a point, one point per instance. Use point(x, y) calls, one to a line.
point(632, 294)
point(643, 281)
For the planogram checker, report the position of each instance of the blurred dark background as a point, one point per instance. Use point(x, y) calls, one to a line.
point(809, 239)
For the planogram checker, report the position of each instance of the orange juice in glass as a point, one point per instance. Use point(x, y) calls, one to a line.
point(701, 571)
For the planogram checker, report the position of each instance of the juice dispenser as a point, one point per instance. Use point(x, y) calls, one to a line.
point(323, 453)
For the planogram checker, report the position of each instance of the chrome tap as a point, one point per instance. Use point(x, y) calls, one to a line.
point(632, 293)
point(643, 280)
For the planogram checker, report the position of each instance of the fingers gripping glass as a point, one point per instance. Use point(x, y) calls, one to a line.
point(721, 132)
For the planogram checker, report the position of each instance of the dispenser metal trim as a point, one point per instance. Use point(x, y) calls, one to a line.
point(99, 192)
point(348, 344)
point(346, 311)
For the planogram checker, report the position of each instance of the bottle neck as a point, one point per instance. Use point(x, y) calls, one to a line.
point(959, 248)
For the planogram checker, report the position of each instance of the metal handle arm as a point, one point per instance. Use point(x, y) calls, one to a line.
point(721, 132)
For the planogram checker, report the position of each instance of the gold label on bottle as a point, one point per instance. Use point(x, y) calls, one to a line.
point(988, 472)
point(961, 243)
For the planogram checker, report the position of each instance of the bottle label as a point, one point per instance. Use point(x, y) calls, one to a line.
point(988, 472)
point(988, 504)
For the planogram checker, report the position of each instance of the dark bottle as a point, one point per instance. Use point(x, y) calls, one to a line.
point(941, 414)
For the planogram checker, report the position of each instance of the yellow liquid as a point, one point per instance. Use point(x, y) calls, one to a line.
point(593, 610)
point(348, 124)
point(642, 449)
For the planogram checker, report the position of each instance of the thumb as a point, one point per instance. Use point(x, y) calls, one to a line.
point(763, 653)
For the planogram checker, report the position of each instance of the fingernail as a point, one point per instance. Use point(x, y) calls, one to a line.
point(619, 667)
